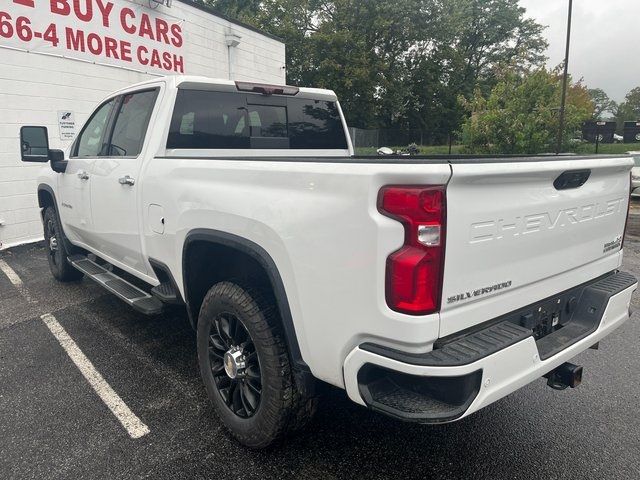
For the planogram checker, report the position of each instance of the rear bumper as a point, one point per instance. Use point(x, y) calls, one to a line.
point(443, 386)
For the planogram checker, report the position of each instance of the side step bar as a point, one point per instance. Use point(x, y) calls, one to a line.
point(135, 297)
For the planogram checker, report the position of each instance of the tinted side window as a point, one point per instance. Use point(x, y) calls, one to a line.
point(221, 120)
point(204, 120)
point(90, 141)
point(131, 125)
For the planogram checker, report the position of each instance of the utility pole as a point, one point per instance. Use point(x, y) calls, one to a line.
point(565, 81)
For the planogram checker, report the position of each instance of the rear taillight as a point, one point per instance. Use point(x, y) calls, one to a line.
point(414, 272)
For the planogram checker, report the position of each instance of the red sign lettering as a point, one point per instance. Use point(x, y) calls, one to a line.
point(60, 7)
point(126, 26)
point(105, 11)
point(114, 30)
point(26, 3)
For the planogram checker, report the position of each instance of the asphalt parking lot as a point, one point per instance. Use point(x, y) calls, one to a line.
point(54, 425)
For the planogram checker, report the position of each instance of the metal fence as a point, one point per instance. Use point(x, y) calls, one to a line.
point(376, 138)
point(444, 142)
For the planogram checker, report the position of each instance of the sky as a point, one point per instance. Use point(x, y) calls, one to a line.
point(604, 40)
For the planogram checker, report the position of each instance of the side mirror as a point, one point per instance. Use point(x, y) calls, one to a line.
point(34, 144)
point(58, 163)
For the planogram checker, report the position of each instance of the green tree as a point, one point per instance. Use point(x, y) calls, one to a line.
point(621, 113)
point(475, 41)
point(632, 104)
point(491, 34)
point(520, 115)
point(602, 103)
point(629, 110)
point(246, 10)
point(399, 64)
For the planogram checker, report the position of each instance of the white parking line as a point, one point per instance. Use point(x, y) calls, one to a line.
point(10, 273)
point(15, 279)
point(134, 426)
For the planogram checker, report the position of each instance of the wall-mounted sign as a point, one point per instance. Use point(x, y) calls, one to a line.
point(116, 32)
point(67, 125)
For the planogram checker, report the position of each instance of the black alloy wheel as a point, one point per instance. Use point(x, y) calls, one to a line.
point(57, 254)
point(51, 239)
point(245, 366)
point(235, 365)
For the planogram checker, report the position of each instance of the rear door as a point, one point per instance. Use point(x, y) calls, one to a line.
point(115, 186)
point(518, 232)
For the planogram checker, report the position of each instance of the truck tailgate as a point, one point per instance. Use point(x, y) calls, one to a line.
point(513, 237)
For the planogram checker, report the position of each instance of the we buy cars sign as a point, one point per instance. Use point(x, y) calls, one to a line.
point(115, 32)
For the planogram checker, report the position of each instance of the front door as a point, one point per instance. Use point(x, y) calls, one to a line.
point(115, 191)
point(74, 186)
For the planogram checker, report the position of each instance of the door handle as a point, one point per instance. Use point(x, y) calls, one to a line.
point(126, 180)
point(82, 175)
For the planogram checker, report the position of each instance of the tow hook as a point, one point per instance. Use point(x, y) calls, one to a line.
point(566, 375)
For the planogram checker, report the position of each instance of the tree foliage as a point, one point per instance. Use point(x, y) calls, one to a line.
point(627, 111)
point(632, 103)
point(520, 115)
point(400, 64)
point(602, 104)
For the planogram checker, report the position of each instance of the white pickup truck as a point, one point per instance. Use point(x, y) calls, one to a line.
point(427, 288)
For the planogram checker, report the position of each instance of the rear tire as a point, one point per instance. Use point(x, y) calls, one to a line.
point(245, 367)
point(57, 253)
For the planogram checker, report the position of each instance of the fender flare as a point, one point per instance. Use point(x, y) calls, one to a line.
point(43, 187)
point(263, 258)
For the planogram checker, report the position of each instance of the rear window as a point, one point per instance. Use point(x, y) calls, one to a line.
point(226, 120)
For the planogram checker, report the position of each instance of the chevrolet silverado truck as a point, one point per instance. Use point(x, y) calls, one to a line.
point(426, 288)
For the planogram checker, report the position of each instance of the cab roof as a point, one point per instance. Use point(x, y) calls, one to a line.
point(193, 82)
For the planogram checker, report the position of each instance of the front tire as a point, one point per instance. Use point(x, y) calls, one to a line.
point(57, 253)
point(245, 367)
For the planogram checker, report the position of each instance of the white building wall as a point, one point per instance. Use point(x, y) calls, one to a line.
point(34, 87)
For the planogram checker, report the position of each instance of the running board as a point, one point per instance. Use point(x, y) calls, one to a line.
point(134, 296)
